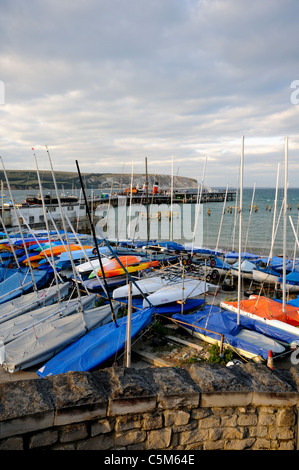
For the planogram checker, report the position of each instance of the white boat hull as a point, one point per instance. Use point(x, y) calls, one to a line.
point(260, 276)
point(182, 290)
point(147, 286)
point(244, 274)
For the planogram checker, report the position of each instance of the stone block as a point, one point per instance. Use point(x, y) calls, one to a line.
point(12, 443)
point(258, 431)
point(24, 398)
point(174, 387)
point(218, 378)
point(124, 423)
point(261, 444)
point(239, 444)
point(102, 426)
point(177, 417)
point(247, 420)
point(73, 432)
point(159, 439)
point(234, 433)
point(277, 399)
point(214, 445)
point(210, 422)
point(267, 419)
point(224, 399)
point(195, 436)
point(132, 437)
point(134, 405)
point(152, 421)
point(286, 417)
point(43, 439)
point(103, 442)
point(26, 424)
point(77, 414)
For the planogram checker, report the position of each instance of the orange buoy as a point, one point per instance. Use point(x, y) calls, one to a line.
point(270, 361)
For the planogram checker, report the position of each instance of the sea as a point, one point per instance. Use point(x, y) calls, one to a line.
point(211, 225)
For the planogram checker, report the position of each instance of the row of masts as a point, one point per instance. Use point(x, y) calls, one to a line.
point(285, 208)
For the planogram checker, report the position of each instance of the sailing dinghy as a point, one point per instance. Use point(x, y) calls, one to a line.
point(267, 311)
point(212, 322)
point(97, 346)
point(39, 344)
point(181, 290)
point(20, 283)
point(32, 301)
point(17, 326)
point(147, 286)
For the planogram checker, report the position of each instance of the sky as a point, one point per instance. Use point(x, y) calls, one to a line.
point(111, 82)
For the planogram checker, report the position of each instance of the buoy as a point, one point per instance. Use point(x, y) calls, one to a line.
point(270, 361)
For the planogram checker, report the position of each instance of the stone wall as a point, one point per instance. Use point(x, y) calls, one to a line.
point(204, 407)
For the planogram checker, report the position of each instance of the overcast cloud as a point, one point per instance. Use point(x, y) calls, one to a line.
point(108, 82)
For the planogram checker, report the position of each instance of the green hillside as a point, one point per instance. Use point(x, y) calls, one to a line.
point(27, 180)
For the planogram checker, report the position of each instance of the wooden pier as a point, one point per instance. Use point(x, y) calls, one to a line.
point(179, 197)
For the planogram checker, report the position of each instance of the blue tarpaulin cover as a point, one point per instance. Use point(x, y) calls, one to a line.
point(97, 346)
point(21, 283)
point(168, 309)
point(219, 321)
point(291, 278)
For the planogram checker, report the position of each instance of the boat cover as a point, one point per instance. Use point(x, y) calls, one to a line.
point(21, 282)
point(49, 338)
point(97, 346)
point(168, 309)
point(246, 266)
point(276, 263)
point(267, 308)
point(80, 255)
point(213, 322)
point(12, 329)
point(291, 278)
point(234, 255)
point(31, 301)
point(219, 263)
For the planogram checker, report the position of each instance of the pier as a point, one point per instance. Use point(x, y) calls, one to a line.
point(184, 196)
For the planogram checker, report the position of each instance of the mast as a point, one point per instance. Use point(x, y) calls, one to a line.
point(221, 220)
point(96, 244)
point(171, 205)
point(285, 225)
point(199, 194)
point(240, 228)
point(131, 196)
point(20, 228)
point(250, 213)
point(47, 227)
point(274, 215)
point(146, 192)
point(64, 228)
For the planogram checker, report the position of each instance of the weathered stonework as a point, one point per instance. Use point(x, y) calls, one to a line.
point(204, 407)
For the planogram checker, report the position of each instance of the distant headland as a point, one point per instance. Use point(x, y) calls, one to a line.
point(28, 180)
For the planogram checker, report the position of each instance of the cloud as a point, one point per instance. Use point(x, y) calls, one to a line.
point(108, 82)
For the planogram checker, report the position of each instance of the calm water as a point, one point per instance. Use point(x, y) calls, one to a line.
point(256, 228)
